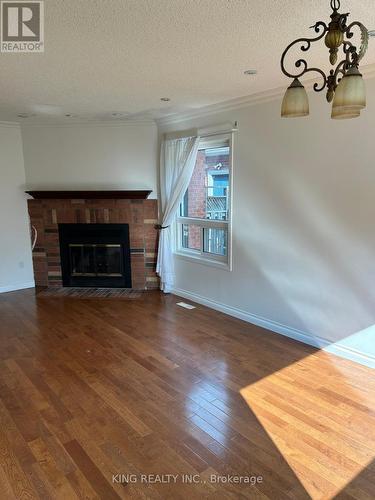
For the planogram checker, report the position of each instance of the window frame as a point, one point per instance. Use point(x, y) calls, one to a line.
point(200, 256)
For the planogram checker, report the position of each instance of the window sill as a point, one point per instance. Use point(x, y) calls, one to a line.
point(198, 259)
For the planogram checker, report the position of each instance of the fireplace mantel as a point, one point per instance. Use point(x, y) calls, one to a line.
point(90, 195)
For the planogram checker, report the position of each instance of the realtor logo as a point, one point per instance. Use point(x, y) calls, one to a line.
point(22, 26)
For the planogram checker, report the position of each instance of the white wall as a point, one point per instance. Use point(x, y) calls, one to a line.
point(92, 156)
point(15, 247)
point(303, 225)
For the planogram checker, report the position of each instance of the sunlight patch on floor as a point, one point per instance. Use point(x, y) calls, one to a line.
point(313, 420)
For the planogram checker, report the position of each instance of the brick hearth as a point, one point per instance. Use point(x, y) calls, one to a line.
point(141, 215)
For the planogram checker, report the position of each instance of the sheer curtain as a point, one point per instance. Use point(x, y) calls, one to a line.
point(177, 161)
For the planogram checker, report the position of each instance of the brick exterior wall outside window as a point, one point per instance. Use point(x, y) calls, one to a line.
point(196, 193)
point(197, 199)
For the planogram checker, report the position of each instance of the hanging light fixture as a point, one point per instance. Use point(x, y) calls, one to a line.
point(344, 84)
point(295, 102)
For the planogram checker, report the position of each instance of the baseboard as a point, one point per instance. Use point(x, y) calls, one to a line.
point(273, 326)
point(15, 287)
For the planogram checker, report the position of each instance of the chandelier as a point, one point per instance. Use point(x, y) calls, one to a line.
point(344, 84)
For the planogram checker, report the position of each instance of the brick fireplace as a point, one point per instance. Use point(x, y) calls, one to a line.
point(139, 214)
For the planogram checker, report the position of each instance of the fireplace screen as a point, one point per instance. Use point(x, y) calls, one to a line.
point(95, 260)
point(96, 255)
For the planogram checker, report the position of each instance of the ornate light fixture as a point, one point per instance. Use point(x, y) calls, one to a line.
point(344, 84)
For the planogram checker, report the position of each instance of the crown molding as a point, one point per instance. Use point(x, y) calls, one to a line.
point(232, 104)
point(9, 124)
point(245, 101)
point(220, 107)
point(89, 124)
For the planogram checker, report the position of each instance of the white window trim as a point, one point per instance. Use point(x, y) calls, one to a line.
point(199, 256)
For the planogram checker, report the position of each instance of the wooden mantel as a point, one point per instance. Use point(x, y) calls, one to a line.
point(89, 195)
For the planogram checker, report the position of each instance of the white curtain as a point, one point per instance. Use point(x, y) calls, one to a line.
point(177, 161)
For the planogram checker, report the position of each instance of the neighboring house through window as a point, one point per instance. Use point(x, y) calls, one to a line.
point(205, 213)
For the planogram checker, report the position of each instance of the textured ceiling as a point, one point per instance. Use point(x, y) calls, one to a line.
point(106, 56)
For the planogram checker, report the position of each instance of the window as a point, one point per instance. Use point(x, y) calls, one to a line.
point(203, 224)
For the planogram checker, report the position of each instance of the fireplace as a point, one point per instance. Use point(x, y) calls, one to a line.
point(95, 255)
point(49, 210)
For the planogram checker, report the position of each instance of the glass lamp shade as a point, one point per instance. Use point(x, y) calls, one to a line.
point(345, 114)
point(295, 102)
point(350, 96)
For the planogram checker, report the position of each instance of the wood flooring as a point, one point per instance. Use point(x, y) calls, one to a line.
point(143, 399)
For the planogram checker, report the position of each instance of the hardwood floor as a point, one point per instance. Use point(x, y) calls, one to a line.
point(92, 391)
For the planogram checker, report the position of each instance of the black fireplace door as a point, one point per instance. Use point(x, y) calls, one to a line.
point(95, 255)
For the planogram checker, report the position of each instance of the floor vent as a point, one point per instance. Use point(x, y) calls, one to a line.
point(186, 306)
